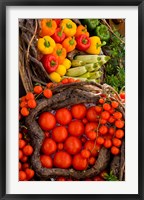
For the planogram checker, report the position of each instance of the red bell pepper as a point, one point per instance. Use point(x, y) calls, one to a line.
point(58, 21)
point(50, 63)
point(59, 35)
point(83, 42)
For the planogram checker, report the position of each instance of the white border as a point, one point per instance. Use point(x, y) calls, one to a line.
point(130, 186)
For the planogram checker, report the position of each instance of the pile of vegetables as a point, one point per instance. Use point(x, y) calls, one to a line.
point(60, 37)
point(71, 127)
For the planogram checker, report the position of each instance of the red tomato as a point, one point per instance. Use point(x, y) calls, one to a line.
point(91, 135)
point(62, 160)
point(63, 116)
point(78, 111)
point(76, 128)
point(47, 121)
point(22, 176)
point(122, 95)
point(46, 161)
point(79, 163)
point(49, 146)
point(92, 114)
point(91, 126)
point(91, 160)
point(29, 173)
point(28, 150)
point(59, 134)
point(92, 147)
point(72, 145)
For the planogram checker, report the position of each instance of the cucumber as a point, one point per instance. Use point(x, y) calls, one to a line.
point(101, 59)
point(77, 71)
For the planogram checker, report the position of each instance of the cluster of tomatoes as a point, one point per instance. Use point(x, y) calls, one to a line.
point(25, 151)
point(74, 136)
point(28, 101)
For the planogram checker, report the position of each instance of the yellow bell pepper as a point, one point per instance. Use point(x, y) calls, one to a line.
point(66, 63)
point(95, 47)
point(46, 45)
point(55, 77)
point(61, 70)
point(69, 27)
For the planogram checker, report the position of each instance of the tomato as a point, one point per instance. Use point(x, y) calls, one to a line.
point(62, 160)
point(111, 131)
point(117, 142)
point(78, 111)
point(79, 163)
point(98, 109)
point(119, 133)
point(29, 173)
point(47, 121)
point(114, 104)
point(24, 159)
point(111, 119)
point(103, 129)
point(22, 143)
point(92, 147)
point(72, 145)
point(117, 115)
point(100, 140)
point(90, 126)
point(105, 115)
point(85, 153)
point(76, 128)
point(22, 176)
point(28, 150)
point(122, 95)
point(46, 161)
point(91, 160)
point(63, 116)
point(59, 134)
point(92, 114)
point(107, 143)
point(49, 146)
point(106, 106)
point(119, 123)
point(91, 135)
point(115, 150)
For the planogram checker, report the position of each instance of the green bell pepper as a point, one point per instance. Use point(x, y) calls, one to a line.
point(102, 32)
point(90, 23)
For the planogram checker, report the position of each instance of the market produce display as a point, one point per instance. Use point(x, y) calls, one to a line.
point(72, 114)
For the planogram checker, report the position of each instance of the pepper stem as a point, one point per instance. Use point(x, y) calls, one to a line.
point(46, 43)
point(69, 26)
point(52, 63)
point(100, 45)
point(71, 42)
point(61, 31)
point(49, 23)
